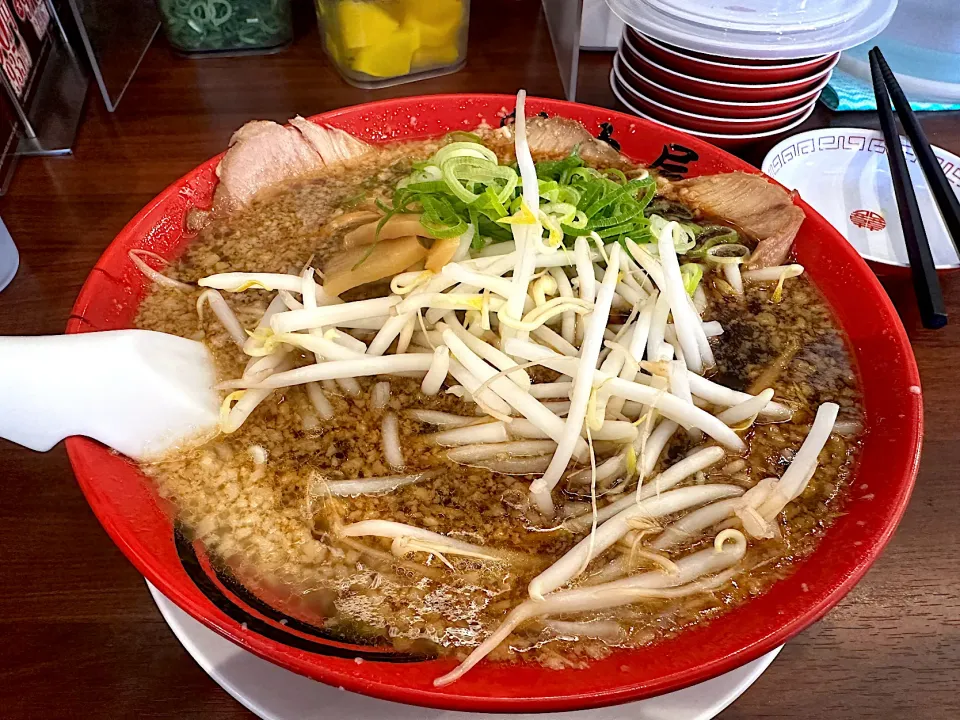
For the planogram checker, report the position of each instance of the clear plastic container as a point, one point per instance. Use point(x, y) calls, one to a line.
point(377, 43)
point(9, 257)
point(922, 47)
point(227, 27)
point(758, 29)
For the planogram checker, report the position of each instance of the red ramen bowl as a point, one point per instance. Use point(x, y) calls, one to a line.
point(712, 67)
point(142, 523)
point(664, 95)
point(741, 91)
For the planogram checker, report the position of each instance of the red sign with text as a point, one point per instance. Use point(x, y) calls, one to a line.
point(14, 56)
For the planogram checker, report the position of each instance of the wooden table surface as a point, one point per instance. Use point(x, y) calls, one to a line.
point(80, 635)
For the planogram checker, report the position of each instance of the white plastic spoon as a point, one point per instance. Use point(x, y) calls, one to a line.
point(137, 391)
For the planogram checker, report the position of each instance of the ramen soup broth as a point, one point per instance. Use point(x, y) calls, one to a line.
point(257, 498)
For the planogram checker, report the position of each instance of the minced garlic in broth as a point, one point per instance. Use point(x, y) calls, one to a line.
point(247, 496)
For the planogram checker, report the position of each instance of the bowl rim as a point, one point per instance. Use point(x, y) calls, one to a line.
point(806, 95)
point(696, 116)
point(713, 136)
point(88, 457)
point(793, 64)
point(824, 72)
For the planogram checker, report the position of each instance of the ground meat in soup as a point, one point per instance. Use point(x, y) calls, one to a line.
point(250, 497)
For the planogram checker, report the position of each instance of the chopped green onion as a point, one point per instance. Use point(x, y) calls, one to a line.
point(463, 136)
point(711, 236)
point(549, 189)
point(490, 205)
point(440, 218)
point(669, 209)
point(615, 174)
point(463, 149)
point(563, 212)
point(682, 239)
point(727, 254)
point(221, 25)
point(463, 184)
point(554, 169)
point(692, 274)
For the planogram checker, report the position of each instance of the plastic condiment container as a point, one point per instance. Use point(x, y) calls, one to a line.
point(227, 27)
point(9, 257)
point(377, 43)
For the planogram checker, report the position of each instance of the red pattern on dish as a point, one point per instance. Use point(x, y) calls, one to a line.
point(868, 220)
point(139, 521)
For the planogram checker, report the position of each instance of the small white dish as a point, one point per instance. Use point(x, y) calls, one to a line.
point(272, 693)
point(844, 174)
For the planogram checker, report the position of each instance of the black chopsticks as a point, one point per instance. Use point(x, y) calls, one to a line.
point(939, 185)
point(926, 286)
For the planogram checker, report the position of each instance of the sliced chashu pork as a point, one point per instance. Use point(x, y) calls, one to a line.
point(263, 153)
point(559, 136)
point(334, 146)
point(762, 210)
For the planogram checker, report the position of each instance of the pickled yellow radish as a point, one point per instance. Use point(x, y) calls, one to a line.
point(333, 47)
point(438, 13)
point(364, 24)
point(441, 55)
point(392, 39)
point(390, 56)
point(430, 34)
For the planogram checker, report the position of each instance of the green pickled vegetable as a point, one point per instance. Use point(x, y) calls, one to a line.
point(226, 25)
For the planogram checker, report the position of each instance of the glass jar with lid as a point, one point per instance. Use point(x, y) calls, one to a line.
point(376, 43)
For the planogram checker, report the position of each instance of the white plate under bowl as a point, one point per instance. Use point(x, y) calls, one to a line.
point(843, 173)
point(272, 693)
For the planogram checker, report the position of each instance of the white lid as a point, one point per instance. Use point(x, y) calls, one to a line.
point(758, 29)
point(844, 174)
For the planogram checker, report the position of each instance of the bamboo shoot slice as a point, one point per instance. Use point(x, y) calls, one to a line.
point(441, 253)
point(390, 257)
point(396, 227)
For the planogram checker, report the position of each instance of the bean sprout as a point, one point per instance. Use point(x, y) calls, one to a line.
point(653, 585)
point(372, 486)
point(390, 435)
point(380, 395)
point(566, 568)
point(224, 314)
point(319, 401)
point(136, 257)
